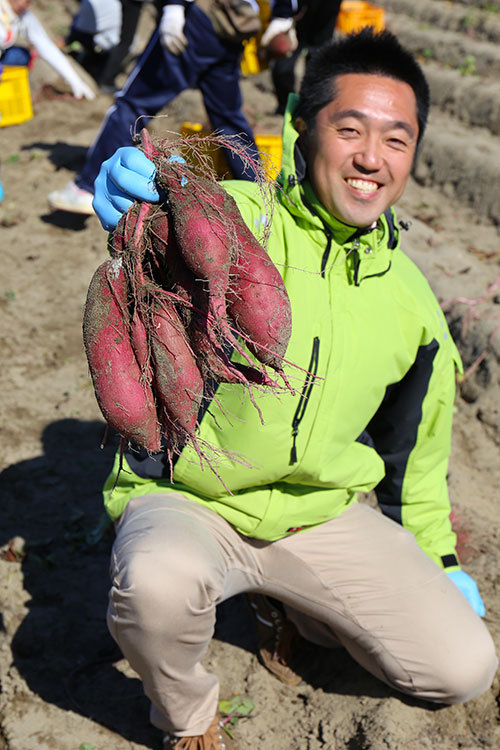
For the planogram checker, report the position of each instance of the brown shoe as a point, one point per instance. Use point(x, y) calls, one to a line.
point(215, 738)
point(278, 641)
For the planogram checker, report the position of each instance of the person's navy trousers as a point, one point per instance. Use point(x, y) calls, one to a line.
point(208, 63)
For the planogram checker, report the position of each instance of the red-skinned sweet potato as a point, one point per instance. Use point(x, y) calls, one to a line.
point(257, 300)
point(140, 345)
point(126, 402)
point(202, 234)
point(218, 247)
point(178, 382)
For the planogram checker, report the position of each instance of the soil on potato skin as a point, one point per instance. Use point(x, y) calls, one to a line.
point(64, 684)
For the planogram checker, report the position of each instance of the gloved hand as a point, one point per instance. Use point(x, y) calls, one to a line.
point(124, 177)
point(468, 587)
point(172, 29)
point(280, 26)
point(81, 90)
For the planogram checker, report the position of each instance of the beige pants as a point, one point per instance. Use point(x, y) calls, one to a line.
point(360, 577)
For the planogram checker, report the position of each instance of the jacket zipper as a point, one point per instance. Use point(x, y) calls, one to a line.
point(304, 398)
point(326, 254)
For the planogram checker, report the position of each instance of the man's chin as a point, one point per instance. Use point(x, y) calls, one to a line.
point(360, 211)
point(360, 221)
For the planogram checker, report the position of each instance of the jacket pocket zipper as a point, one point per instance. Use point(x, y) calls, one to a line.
point(304, 398)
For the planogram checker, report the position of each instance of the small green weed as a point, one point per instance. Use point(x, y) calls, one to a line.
point(468, 67)
point(491, 7)
point(231, 711)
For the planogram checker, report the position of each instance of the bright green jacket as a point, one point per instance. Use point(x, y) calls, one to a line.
point(377, 416)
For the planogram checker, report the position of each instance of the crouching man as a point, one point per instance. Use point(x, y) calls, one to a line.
point(387, 585)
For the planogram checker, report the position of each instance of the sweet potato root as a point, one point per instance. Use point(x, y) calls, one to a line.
point(257, 299)
point(126, 401)
point(179, 385)
point(217, 246)
point(188, 285)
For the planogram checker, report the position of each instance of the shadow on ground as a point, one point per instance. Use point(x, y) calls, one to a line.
point(62, 648)
point(60, 154)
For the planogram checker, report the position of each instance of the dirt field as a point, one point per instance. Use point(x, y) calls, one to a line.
point(64, 685)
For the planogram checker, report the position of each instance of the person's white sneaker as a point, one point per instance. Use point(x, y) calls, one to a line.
point(71, 198)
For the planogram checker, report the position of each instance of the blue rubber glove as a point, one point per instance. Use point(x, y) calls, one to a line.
point(468, 587)
point(126, 176)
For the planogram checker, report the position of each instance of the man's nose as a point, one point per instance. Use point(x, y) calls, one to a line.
point(368, 157)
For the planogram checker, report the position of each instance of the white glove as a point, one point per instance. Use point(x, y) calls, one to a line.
point(172, 29)
point(280, 26)
point(81, 90)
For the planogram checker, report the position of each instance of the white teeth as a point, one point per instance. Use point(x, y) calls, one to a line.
point(364, 185)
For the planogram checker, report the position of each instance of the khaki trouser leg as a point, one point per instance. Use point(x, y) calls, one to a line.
point(359, 579)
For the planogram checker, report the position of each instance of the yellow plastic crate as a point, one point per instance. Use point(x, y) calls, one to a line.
point(250, 63)
point(268, 145)
point(354, 15)
point(15, 96)
point(270, 149)
point(212, 152)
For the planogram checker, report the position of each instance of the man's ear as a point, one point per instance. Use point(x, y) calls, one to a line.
point(301, 128)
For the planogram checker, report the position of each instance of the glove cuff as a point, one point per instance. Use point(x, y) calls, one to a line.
point(175, 11)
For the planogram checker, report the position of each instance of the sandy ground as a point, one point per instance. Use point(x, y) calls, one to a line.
point(64, 685)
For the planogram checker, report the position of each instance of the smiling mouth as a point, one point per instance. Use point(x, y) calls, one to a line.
point(363, 186)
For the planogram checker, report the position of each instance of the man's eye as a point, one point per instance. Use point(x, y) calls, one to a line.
point(397, 142)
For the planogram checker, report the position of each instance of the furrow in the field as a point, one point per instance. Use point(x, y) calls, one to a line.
point(472, 100)
point(463, 162)
point(451, 48)
point(473, 22)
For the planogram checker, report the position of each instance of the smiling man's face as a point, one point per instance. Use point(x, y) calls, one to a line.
point(360, 151)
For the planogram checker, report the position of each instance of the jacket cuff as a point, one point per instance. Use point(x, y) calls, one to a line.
point(450, 561)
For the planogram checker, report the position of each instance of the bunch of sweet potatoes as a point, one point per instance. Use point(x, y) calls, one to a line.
point(186, 285)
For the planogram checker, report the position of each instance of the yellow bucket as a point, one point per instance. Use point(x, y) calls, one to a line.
point(354, 15)
point(250, 63)
point(15, 96)
point(269, 147)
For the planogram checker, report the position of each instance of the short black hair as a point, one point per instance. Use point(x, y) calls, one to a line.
point(368, 52)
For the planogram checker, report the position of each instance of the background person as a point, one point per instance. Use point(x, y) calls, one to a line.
point(16, 20)
point(184, 52)
point(314, 26)
point(102, 33)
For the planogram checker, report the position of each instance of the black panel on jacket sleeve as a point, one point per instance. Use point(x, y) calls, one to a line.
point(393, 429)
point(148, 466)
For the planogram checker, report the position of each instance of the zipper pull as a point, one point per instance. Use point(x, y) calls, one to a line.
point(293, 452)
point(355, 261)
